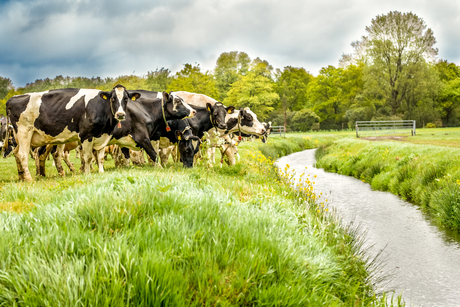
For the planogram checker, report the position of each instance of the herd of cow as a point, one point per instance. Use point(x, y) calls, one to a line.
point(133, 120)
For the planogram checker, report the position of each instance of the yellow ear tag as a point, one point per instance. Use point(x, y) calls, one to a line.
point(209, 109)
point(133, 98)
point(229, 111)
point(105, 97)
point(236, 144)
point(179, 138)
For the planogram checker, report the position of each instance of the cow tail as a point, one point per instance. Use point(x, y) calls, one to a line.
point(5, 142)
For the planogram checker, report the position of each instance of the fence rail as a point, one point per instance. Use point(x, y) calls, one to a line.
point(278, 130)
point(384, 125)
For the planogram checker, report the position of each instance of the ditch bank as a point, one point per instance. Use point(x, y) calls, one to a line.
point(425, 175)
point(420, 261)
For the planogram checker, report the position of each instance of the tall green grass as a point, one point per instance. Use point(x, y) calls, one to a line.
point(423, 174)
point(142, 236)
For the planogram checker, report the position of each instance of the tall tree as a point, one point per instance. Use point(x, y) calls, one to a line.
point(449, 98)
point(254, 90)
point(229, 66)
point(191, 79)
point(293, 83)
point(397, 45)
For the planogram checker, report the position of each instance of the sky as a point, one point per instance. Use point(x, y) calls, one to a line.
point(108, 38)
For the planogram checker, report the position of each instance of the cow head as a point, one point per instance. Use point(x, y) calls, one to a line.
point(268, 130)
point(248, 122)
point(188, 145)
point(175, 107)
point(218, 113)
point(118, 99)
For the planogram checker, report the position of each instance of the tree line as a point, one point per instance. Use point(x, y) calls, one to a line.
point(392, 74)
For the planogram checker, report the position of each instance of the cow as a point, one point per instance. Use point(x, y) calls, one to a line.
point(206, 118)
point(241, 121)
point(145, 117)
point(142, 118)
point(65, 115)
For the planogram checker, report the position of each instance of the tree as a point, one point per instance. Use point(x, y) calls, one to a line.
point(158, 80)
point(191, 79)
point(5, 86)
point(449, 98)
point(293, 82)
point(254, 90)
point(397, 46)
point(305, 120)
point(229, 66)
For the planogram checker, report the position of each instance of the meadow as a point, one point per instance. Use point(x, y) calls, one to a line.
point(422, 169)
point(220, 236)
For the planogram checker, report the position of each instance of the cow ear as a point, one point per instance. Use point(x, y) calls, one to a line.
point(165, 95)
point(134, 96)
point(178, 135)
point(230, 109)
point(209, 106)
point(105, 95)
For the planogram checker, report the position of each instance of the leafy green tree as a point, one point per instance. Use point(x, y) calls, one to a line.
point(398, 45)
point(449, 96)
point(5, 86)
point(254, 90)
point(158, 80)
point(296, 92)
point(191, 79)
point(305, 120)
point(229, 66)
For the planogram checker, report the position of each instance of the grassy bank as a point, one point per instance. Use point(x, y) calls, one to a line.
point(423, 174)
point(175, 237)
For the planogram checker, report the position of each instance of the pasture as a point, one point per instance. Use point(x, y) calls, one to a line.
point(178, 237)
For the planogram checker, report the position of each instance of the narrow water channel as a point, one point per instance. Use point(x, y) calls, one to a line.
point(422, 261)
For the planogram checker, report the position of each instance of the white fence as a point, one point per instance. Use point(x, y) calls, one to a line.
point(374, 127)
point(278, 130)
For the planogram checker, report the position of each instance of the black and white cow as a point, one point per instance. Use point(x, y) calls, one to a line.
point(65, 115)
point(206, 118)
point(142, 118)
point(146, 116)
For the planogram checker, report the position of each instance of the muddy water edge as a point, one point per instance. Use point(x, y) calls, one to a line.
point(421, 261)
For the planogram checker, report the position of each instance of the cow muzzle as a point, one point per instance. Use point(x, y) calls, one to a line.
point(120, 116)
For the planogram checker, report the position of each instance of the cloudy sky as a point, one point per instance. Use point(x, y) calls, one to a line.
point(40, 38)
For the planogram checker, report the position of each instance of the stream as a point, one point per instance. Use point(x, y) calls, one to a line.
point(421, 261)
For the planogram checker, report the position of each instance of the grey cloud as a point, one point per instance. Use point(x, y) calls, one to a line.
point(110, 38)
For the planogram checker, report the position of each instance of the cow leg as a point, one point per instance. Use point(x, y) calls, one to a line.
point(100, 159)
point(24, 136)
point(57, 156)
point(18, 163)
point(41, 171)
point(67, 161)
point(87, 155)
point(152, 148)
point(230, 155)
point(175, 153)
point(164, 155)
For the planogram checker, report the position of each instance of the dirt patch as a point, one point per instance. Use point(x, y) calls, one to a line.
point(384, 138)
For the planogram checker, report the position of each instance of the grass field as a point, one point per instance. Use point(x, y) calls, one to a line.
point(178, 237)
